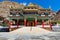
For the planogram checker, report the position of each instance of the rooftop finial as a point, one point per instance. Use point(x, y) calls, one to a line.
point(31, 4)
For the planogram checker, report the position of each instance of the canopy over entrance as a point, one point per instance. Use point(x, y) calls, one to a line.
point(30, 19)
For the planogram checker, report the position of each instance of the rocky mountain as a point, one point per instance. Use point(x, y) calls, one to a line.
point(5, 7)
point(57, 16)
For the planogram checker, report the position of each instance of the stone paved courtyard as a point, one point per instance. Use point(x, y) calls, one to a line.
point(48, 36)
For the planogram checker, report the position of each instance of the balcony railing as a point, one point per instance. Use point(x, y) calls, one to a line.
point(49, 15)
point(42, 15)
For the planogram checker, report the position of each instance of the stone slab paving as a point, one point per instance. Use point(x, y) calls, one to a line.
point(49, 36)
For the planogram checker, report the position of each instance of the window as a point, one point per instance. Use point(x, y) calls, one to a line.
point(28, 8)
point(12, 13)
point(25, 8)
point(49, 15)
point(46, 13)
point(35, 8)
point(31, 8)
point(39, 14)
point(42, 15)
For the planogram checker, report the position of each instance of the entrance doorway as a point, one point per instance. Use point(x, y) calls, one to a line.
point(30, 23)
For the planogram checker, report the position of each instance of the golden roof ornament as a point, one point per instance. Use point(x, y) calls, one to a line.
point(31, 4)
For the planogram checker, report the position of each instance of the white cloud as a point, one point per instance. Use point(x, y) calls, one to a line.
point(23, 3)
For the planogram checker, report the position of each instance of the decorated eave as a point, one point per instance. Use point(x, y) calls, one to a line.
point(44, 10)
point(16, 13)
point(32, 7)
point(16, 10)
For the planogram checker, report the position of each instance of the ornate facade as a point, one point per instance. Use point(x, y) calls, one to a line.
point(31, 15)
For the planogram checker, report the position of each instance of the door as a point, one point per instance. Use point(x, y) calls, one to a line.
point(30, 23)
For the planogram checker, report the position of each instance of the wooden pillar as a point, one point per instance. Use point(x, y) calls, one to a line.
point(35, 23)
point(50, 24)
point(17, 23)
point(42, 23)
point(10, 24)
point(24, 22)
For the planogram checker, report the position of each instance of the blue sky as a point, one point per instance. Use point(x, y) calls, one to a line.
point(55, 4)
